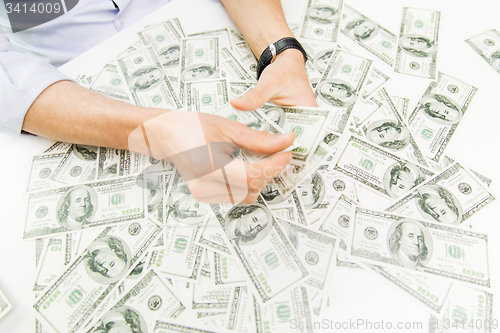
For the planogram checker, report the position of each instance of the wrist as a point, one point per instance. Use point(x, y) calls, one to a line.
point(276, 49)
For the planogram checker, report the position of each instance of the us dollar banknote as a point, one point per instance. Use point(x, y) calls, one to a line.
point(284, 207)
point(94, 274)
point(429, 291)
point(379, 170)
point(147, 80)
point(487, 45)
point(308, 124)
point(150, 299)
point(322, 188)
point(387, 128)
point(207, 299)
point(376, 80)
point(212, 236)
point(382, 238)
point(340, 86)
point(78, 165)
point(223, 34)
point(199, 60)
point(438, 114)
point(290, 312)
point(418, 43)
point(83, 206)
point(181, 257)
point(261, 248)
point(339, 219)
point(42, 167)
point(368, 34)
point(465, 309)
point(320, 20)
point(317, 251)
point(174, 327)
point(57, 254)
point(207, 95)
point(451, 197)
point(226, 272)
point(240, 311)
point(4, 305)
point(111, 83)
point(293, 175)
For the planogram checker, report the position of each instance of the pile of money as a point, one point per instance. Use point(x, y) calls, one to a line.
point(123, 246)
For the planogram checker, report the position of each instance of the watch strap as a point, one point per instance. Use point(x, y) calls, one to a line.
point(270, 53)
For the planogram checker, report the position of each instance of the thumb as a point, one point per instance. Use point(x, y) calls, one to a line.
point(254, 98)
point(261, 141)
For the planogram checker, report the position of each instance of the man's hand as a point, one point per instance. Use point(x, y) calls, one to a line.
point(200, 145)
point(284, 82)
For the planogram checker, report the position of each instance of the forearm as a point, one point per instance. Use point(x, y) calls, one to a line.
point(70, 113)
point(262, 22)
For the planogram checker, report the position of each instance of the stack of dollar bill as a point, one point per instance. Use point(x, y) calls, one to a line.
point(122, 246)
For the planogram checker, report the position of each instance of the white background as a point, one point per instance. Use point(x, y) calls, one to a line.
point(356, 294)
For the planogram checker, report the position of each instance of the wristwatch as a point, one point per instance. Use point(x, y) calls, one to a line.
point(270, 53)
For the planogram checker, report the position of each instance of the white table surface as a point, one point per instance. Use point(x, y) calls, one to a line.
point(356, 294)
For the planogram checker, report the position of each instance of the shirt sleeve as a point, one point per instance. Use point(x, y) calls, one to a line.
point(22, 78)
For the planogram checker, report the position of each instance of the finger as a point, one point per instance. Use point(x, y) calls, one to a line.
point(259, 174)
point(256, 97)
point(260, 141)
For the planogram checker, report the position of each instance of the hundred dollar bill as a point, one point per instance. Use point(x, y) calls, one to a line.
point(199, 60)
point(418, 43)
point(57, 254)
point(340, 85)
point(69, 303)
point(338, 220)
point(363, 109)
point(451, 197)
point(83, 206)
point(181, 257)
point(320, 20)
point(226, 272)
point(308, 124)
point(238, 88)
point(231, 67)
point(257, 120)
point(386, 128)
point(222, 34)
point(174, 327)
point(57, 147)
point(156, 187)
point(379, 170)
point(287, 207)
point(295, 174)
point(150, 299)
point(109, 161)
point(320, 189)
point(428, 291)
point(438, 113)
point(207, 299)
point(319, 55)
point(317, 251)
point(487, 45)
point(369, 34)
point(4, 305)
point(78, 165)
point(212, 236)
point(468, 310)
point(289, 313)
point(375, 81)
point(401, 105)
point(206, 96)
point(261, 248)
point(147, 80)
point(240, 311)
point(381, 238)
point(42, 167)
point(111, 83)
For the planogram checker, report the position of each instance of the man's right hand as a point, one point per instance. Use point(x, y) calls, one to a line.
point(200, 145)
